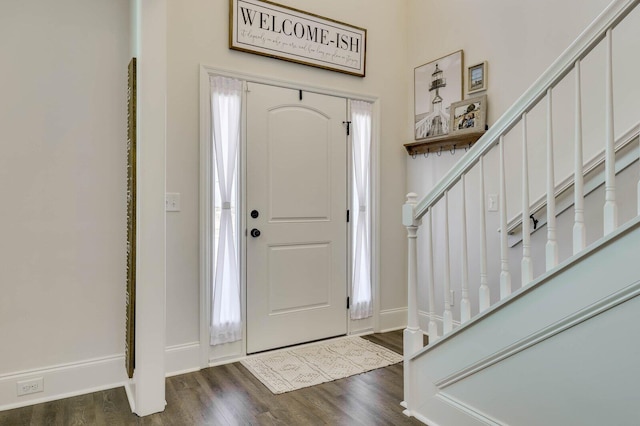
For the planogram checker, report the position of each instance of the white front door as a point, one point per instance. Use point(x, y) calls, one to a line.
point(297, 188)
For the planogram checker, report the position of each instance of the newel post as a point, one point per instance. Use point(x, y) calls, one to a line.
point(412, 338)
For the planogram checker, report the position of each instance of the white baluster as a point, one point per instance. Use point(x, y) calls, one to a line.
point(484, 298)
point(447, 316)
point(527, 265)
point(579, 229)
point(610, 206)
point(412, 335)
point(505, 275)
point(432, 329)
point(552, 244)
point(465, 305)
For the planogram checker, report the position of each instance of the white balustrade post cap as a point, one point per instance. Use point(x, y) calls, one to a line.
point(408, 210)
point(412, 198)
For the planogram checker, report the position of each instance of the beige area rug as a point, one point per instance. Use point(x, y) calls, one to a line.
point(300, 367)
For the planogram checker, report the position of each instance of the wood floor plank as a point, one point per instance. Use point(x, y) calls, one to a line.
point(79, 410)
point(49, 413)
point(108, 407)
point(21, 416)
point(230, 395)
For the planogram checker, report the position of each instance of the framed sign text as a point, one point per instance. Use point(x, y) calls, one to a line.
point(281, 32)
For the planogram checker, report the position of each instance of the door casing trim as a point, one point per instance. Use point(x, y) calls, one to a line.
point(237, 350)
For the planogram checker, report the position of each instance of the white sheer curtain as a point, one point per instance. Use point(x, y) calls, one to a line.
point(226, 320)
point(361, 305)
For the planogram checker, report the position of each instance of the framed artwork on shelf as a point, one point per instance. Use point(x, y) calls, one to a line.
point(477, 78)
point(437, 85)
point(469, 116)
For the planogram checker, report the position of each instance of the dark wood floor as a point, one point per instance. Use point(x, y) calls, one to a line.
point(230, 395)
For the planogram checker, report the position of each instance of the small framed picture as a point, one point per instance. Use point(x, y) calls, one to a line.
point(477, 78)
point(468, 116)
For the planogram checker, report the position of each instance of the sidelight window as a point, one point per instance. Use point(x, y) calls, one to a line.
point(226, 319)
point(361, 292)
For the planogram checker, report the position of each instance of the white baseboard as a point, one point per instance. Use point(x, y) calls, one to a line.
point(129, 388)
point(361, 333)
point(360, 326)
point(393, 319)
point(396, 319)
point(423, 419)
point(181, 359)
point(473, 413)
point(226, 353)
point(64, 380)
point(93, 375)
point(79, 378)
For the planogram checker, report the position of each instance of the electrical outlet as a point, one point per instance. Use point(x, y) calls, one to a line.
point(172, 201)
point(26, 387)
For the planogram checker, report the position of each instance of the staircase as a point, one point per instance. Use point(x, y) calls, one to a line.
point(545, 331)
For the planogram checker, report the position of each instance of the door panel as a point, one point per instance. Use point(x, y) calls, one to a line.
point(297, 181)
point(307, 197)
point(290, 265)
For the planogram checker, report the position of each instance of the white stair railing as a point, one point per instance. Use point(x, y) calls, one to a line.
point(484, 293)
point(610, 205)
point(505, 275)
point(465, 304)
point(552, 243)
point(447, 316)
point(527, 263)
point(579, 229)
point(601, 30)
point(432, 328)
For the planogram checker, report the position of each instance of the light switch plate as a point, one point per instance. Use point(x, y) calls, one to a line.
point(492, 202)
point(172, 201)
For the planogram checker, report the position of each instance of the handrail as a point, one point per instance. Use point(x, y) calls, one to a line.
point(581, 47)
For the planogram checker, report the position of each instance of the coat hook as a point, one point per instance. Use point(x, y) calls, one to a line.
point(467, 148)
point(535, 221)
point(439, 152)
point(414, 156)
point(426, 154)
point(453, 150)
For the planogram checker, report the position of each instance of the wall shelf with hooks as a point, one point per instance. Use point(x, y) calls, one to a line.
point(443, 143)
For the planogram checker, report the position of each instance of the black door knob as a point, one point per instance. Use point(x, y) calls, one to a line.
point(255, 214)
point(255, 233)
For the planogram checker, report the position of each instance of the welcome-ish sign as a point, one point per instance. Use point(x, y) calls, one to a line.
point(277, 31)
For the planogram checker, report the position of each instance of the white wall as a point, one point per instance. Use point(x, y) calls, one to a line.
point(63, 180)
point(198, 34)
point(519, 40)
